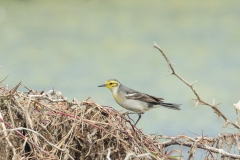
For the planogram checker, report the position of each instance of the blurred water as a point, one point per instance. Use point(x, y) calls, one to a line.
point(74, 46)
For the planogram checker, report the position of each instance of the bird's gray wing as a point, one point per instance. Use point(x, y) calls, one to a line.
point(143, 97)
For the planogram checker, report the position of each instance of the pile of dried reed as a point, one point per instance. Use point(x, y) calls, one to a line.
point(47, 126)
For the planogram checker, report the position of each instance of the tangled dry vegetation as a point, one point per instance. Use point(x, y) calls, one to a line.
point(45, 125)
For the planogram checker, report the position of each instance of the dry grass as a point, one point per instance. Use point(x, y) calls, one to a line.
point(47, 126)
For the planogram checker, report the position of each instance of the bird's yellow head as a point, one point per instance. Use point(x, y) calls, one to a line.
point(111, 84)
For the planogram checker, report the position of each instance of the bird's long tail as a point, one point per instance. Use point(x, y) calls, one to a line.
point(171, 105)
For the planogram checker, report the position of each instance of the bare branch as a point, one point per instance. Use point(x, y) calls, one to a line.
point(108, 154)
point(205, 143)
point(205, 147)
point(6, 136)
point(4, 79)
point(199, 100)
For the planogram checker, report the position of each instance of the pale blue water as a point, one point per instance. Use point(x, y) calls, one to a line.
point(76, 46)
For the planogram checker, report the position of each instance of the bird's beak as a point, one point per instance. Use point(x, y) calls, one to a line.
point(102, 85)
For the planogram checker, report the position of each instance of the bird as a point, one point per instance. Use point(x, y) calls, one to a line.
point(135, 101)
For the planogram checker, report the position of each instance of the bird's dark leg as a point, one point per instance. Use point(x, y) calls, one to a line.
point(127, 113)
point(139, 117)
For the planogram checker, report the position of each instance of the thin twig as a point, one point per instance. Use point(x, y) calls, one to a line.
point(6, 136)
point(24, 137)
point(213, 106)
point(4, 79)
point(198, 145)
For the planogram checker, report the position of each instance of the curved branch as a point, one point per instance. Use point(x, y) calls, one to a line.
point(190, 85)
point(205, 143)
point(205, 147)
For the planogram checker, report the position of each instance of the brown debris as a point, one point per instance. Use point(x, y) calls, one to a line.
point(47, 126)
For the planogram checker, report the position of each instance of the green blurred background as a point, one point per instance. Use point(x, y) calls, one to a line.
point(74, 46)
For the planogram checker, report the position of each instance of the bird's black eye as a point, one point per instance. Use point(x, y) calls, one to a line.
point(111, 83)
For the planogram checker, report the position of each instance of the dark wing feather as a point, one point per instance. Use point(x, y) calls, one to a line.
point(143, 97)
